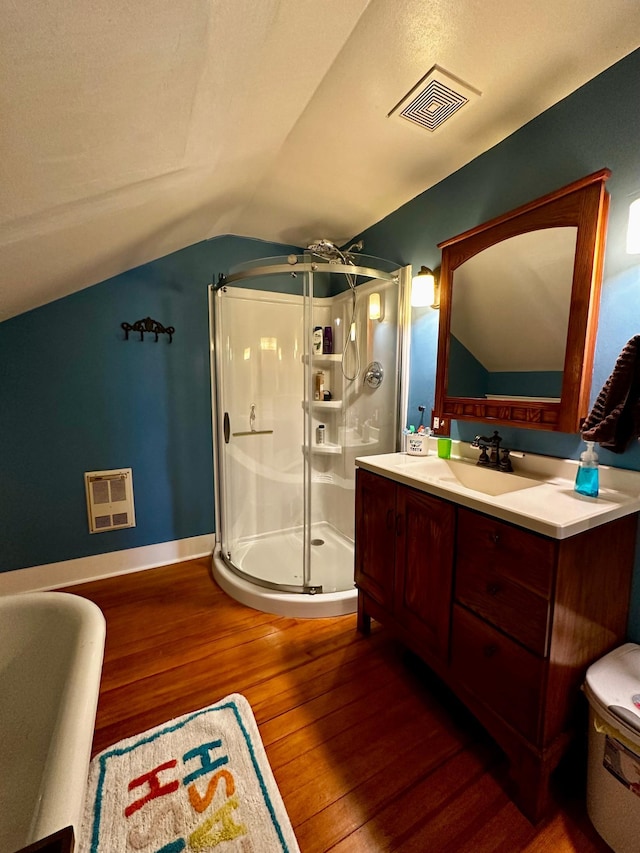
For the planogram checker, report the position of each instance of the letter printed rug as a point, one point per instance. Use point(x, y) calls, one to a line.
point(200, 782)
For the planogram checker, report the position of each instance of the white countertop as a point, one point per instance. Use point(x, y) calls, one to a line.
point(548, 505)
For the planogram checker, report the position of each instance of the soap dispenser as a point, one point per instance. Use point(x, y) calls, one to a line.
point(587, 475)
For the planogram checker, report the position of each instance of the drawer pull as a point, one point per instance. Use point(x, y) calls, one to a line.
point(493, 588)
point(490, 651)
point(495, 537)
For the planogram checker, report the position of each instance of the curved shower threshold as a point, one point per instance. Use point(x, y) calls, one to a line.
point(294, 605)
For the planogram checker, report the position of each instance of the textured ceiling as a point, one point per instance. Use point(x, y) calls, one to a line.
point(128, 131)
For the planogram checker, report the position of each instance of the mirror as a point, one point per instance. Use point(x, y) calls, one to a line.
point(519, 298)
point(533, 304)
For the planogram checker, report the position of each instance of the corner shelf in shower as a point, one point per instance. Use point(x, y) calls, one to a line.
point(318, 358)
point(324, 404)
point(327, 449)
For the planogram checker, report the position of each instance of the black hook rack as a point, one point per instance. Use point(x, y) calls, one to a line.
point(148, 325)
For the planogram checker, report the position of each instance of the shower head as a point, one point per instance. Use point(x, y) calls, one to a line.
point(355, 247)
point(330, 252)
point(327, 250)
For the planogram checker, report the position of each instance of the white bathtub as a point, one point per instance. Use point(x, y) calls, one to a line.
point(51, 649)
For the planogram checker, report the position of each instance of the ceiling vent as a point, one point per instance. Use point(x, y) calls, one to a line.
point(434, 99)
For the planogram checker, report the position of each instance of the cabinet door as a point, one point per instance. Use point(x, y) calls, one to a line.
point(424, 568)
point(375, 536)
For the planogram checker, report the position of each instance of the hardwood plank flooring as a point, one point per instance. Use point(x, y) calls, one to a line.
point(370, 751)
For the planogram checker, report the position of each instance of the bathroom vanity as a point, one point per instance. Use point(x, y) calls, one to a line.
point(507, 588)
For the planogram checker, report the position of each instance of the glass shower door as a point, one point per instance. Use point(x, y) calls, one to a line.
point(261, 340)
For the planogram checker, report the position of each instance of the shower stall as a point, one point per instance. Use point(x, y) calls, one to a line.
point(308, 356)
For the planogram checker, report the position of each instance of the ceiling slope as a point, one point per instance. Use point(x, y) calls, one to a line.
point(129, 131)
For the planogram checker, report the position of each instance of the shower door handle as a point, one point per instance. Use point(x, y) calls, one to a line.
point(226, 428)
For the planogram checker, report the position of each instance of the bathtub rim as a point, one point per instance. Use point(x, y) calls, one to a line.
point(66, 767)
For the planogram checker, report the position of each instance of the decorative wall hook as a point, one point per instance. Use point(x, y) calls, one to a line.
point(147, 325)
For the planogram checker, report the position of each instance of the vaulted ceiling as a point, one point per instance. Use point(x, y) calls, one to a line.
point(130, 130)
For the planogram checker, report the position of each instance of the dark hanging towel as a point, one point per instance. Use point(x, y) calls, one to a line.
point(614, 420)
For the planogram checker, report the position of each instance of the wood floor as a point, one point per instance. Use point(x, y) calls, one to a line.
point(371, 753)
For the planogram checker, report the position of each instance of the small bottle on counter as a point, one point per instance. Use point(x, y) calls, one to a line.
point(320, 434)
point(327, 341)
point(319, 386)
point(317, 340)
point(587, 475)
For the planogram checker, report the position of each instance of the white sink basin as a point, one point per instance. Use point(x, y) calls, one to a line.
point(475, 477)
point(488, 480)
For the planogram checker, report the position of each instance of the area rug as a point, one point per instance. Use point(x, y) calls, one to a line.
point(200, 782)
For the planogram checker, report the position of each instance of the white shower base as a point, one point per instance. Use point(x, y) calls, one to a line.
point(277, 557)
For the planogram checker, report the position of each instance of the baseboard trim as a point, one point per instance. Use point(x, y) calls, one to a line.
point(71, 572)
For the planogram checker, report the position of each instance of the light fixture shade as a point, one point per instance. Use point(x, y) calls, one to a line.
point(375, 306)
point(423, 288)
point(633, 228)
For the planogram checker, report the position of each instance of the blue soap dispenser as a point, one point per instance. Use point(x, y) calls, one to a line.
point(587, 475)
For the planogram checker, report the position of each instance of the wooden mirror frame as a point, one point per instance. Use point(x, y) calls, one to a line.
point(585, 204)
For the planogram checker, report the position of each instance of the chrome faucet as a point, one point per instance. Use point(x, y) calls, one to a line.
point(497, 457)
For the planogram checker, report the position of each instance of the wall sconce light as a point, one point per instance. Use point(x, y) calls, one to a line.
point(425, 289)
point(633, 228)
point(375, 307)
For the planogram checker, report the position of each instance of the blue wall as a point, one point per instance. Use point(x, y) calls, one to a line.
point(466, 376)
point(531, 383)
point(75, 397)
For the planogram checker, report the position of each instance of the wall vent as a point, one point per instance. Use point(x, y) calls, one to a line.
point(109, 500)
point(434, 99)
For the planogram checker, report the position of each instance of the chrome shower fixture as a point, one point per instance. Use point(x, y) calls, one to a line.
point(354, 247)
point(328, 251)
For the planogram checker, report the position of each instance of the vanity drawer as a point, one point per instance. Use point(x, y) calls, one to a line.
point(513, 608)
point(499, 672)
point(491, 546)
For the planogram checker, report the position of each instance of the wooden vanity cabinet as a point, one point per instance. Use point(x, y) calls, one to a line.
point(404, 563)
point(376, 536)
point(510, 619)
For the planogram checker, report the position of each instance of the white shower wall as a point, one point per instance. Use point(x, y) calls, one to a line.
point(366, 421)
